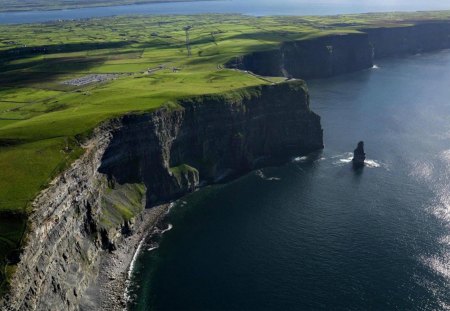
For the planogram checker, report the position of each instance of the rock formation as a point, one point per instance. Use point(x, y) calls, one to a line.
point(359, 156)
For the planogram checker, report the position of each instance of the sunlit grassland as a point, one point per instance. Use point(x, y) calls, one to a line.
point(42, 119)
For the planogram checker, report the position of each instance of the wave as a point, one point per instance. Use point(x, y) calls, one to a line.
point(171, 205)
point(375, 67)
point(261, 175)
point(344, 158)
point(153, 247)
point(133, 261)
point(300, 159)
point(169, 227)
point(306, 159)
point(126, 294)
point(347, 158)
point(372, 164)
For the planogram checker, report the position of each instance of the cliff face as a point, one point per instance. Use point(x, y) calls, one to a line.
point(211, 138)
point(424, 37)
point(310, 59)
point(62, 249)
point(139, 160)
point(338, 54)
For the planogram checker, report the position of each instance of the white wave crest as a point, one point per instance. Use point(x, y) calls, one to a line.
point(153, 247)
point(372, 164)
point(133, 261)
point(300, 159)
point(169, 227)
point(347, 158)
point(261, 175)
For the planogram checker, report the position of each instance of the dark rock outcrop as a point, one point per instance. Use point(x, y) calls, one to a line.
point(359, 156)
point(151, 157)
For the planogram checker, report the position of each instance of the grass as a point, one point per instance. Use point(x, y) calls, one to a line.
point(121, 203)
point(182, 170)
point(42, 119)
point(38, 162)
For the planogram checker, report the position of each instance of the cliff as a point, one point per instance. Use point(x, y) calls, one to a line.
point(397, 41)
point(212, 138)
point(137, 161)
point(321, 57)
point(333, 55)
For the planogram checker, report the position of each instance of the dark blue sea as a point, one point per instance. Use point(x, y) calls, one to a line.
point(314, 234)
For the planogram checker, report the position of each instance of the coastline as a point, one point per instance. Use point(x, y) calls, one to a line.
point(108, 292)
point(114, 266)
point(65, 8)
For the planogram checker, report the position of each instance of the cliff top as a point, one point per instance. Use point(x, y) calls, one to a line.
point(239, 94)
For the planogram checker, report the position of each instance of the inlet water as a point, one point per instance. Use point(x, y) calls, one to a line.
point(248, 7)
point(314, 234)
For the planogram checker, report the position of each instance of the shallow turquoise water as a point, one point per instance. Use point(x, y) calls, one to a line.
point(313, 234)
point(249, 7)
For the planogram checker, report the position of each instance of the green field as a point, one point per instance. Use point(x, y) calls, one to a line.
point(43, 118)
point(30, 5)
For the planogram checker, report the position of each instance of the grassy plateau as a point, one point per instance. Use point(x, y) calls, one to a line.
point(59, 80)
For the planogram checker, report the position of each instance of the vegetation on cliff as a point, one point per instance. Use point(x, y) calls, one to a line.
point(59, 80)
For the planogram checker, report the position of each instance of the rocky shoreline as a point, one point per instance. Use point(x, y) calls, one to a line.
point(109, 291)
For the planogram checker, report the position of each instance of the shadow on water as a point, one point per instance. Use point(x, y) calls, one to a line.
point(357, 173)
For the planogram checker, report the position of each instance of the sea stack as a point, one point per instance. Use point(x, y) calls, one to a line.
point(359, 156)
